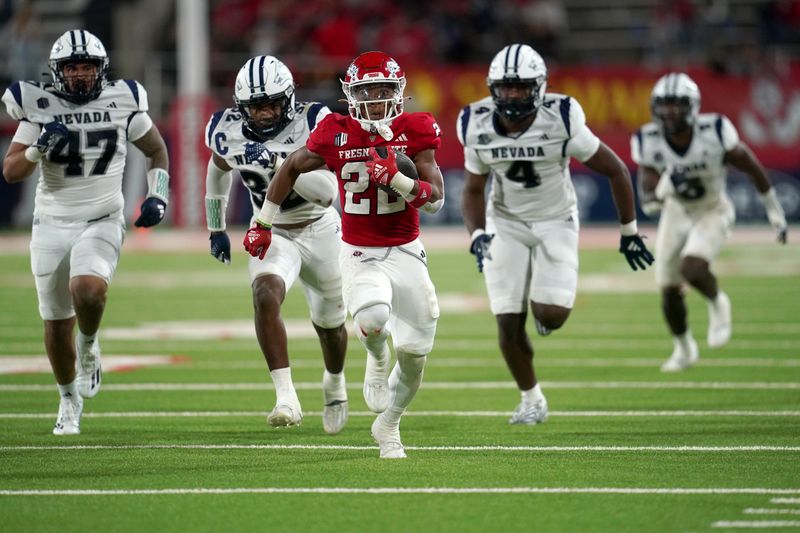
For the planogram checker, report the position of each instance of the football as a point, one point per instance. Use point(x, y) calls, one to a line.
point(404, 164)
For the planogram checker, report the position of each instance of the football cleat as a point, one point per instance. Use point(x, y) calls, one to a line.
point(69, 416)
point(530, 413)
point(388, 439)
point(682, 359)
point(541, 329)
point(376, 384)
point(90, 373)
point(334, 416)
point(719, 321)
point(285, 415)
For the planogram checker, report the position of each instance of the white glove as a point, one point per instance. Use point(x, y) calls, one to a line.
point(775, 214)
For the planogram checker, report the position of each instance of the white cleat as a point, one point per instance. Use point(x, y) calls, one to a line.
point(69, 416)
point(376, 384)
point(285, 415)
point(681, 359)
point(90, 373)
point(530, 413)
point(719, 321)
point(334, 416)
point(388, 439)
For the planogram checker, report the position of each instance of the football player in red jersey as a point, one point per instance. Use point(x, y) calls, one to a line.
point(385, 279)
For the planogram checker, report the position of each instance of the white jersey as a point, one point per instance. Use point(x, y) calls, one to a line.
point(226, 137)
point(530, 172)
point(82, 175)
point(698, 175)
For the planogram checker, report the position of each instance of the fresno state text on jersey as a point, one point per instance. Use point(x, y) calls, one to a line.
point(370, 215)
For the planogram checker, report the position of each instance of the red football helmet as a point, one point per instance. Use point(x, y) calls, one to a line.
point(374, 85)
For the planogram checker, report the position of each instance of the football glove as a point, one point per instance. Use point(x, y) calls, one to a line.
point(382, 169)
point(52, 132)
point(152, 212)
point(220, 246)
point(480, 248)
point(637, 254)
point(258, 239)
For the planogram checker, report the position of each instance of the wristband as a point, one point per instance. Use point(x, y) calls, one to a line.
point(33, 154)
point(628, 229)
point(267, 214)
point(477, 233)
point(770, 200)
point(215, 212)
point(158, 184)
point(402, 184)
point(423, 195)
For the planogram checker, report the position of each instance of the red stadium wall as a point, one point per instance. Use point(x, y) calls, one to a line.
point(765, 109)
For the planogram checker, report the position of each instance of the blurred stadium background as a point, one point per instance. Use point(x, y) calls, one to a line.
point(743, 54)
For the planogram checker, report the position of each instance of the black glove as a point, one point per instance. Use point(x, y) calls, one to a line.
point(637, 254)
point(220, 246)
point(52, 132)
point(257, 153)
point(480, 249)
point(152, 212)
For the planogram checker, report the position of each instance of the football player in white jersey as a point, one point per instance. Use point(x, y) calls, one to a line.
point(526, 240)
point(250, 141)
point(682, 157)
point(77, 129)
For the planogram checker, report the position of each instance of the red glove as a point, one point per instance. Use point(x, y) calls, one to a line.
point(381, 169)
point(257, 240)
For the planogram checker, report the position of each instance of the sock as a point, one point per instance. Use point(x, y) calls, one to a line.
point(85, 341)
point(70, 390)
point(284, 388)
point(532, 395)
point(682, 341)
point(333, 386)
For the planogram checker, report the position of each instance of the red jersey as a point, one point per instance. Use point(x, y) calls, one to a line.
point(371, 216)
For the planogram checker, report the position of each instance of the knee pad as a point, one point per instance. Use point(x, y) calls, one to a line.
point(372, 320)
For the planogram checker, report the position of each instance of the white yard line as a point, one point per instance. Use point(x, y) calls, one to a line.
point(438, 385)
point(558, 414)
point(399, 490)
point(772, 511)
point(755, 524)
point(624, 449)
point(790, 501)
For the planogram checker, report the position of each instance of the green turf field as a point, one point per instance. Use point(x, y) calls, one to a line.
point(183, 445)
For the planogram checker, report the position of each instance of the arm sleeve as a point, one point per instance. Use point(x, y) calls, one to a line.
point(27, 133)
point(636, 148)
point(582, 143)
point(473, 163)
point(138, 126)
point(728, 135)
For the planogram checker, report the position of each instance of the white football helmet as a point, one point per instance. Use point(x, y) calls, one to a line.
point(261, 80)
point(675, 88)
point(78, 46)
point(360, 86)
point(515, 65)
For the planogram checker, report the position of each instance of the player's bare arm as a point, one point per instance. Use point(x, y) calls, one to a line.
point(153, 147)
point(606, 162)
point(743, 158)
point(428, 170)
point(298, 162)
point(473, 204)
point(16, 167)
